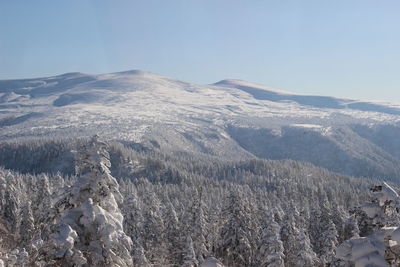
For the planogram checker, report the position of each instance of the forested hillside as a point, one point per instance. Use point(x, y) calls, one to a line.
point(228, 120)
point(177, 209)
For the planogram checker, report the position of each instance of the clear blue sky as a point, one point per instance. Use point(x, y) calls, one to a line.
point(340, 47)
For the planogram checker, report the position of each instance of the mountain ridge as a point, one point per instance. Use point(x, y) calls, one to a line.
point(231, 119)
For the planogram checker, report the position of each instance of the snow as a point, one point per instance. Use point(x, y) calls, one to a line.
point(304, 125)
point(126, 105)
point(387, 194)
point(366, 251)
point(92, 221)
point(66, 237)
point(396, 235)
point(143, 107)
point(371, 209)
point(211, 262)
point(372, 250)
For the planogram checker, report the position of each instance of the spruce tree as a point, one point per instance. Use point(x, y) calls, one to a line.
point(88, 225)
point(139, 258)
point(270, 252)
point(172, 234)
point(235, 247)
point(153, 229)
point(26, 226)
point(197, 226)
point(189, 256)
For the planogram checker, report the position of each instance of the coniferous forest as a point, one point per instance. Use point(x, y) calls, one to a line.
point(88, 202)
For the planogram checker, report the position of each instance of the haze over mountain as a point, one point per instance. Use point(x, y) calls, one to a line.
point(231, 119)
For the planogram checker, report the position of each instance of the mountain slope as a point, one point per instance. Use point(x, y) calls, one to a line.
point(231, 119)
point(261, 92)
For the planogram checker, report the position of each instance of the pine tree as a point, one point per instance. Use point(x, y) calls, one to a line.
point(26, 226)
point(172, 234)
point(271, 249)
point(329, 243)
point(42, 200)
point(88, 226)
point(305, 256)
point(315, 227)
point(379, 248)
point(298, 250)
point(133, 218)
point(328, 237)
point(235, 248)
point(139, 257)
point(10, 207)
point(197, 226)
point(339, 217)
point(189, 256)
point(153, 234)
point(323, 233)
point(351, 228)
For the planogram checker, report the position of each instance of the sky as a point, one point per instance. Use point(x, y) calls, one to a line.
point(344, 48)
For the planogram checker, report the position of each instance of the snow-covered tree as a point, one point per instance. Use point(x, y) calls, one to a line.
point(340, 219)
point(328, 235)
point(195, 221)
point(298, 250)
point(328, 242)
point(42, 202)
point(189, 256)
point(26, 226)
point(153, 233)
point(271, 249)
point(381, 248)
point(88, 225)
point(235, 248)
point(351, 229)
point(304, 255)
point(139, 258)
point(133, 218)
point(172, 234)
point(10, 207)
point(15, 258)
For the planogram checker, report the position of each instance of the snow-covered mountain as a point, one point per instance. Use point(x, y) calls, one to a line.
point(232, 119)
